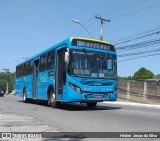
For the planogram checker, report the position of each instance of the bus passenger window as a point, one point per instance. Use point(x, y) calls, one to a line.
point(25, 69)
point(30, 67)
point(43, 62)
point(17, 72)
point(50, 60)
point(21, 70)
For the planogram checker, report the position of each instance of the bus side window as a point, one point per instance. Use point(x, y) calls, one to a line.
point(25, 69)
point(21, 70)
point(17, 71)
point(43, 63)
point(30, 67)
point(50, 60)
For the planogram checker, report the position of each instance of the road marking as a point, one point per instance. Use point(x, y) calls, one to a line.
point(141, 112)
point(133, 104)
point(14, 118)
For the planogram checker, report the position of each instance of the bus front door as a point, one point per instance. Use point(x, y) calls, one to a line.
point(60, 72)
point(35, 77)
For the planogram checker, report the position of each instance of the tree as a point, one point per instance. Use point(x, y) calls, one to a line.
point(143, 73)
point(3, 84)
point(4, 77)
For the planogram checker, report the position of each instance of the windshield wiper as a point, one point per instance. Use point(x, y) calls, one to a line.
point(90, 60)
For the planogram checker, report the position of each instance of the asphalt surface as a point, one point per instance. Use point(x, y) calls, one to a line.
point(17, 116)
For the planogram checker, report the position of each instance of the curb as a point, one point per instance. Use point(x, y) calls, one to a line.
point(133, 104)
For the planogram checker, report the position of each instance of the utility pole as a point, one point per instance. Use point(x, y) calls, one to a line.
point(101, 27)
point(7, 71)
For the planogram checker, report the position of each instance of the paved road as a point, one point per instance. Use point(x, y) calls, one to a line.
point(106, 117)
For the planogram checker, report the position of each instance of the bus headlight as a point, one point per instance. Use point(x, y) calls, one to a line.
point(74, 87)
point(114, 90)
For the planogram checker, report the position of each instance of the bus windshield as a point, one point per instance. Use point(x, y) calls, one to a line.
point(84, 63)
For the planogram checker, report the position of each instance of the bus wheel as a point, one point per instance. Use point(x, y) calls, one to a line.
point(91, 104)
point(24, 96)
point(52, 100)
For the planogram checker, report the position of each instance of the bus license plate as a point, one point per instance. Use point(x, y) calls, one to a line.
point(98, 96)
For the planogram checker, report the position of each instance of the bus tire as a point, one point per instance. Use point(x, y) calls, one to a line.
point(91, 104)
point(25, 99)
point(52, 100)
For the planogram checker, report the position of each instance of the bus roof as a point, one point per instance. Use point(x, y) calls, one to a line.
point(68, 40)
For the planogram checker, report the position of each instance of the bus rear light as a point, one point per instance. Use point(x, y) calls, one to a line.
point(74, 87)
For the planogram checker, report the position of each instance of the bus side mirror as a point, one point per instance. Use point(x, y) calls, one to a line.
point(66, 58)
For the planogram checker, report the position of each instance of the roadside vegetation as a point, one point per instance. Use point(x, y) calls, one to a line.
point(4, 77)
point(141, 74)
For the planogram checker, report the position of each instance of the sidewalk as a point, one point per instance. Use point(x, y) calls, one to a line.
point(133, 103)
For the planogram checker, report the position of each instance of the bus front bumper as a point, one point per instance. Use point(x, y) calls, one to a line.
point(85, 97)
point(100, 97)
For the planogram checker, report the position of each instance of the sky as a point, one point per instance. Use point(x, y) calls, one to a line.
point(28, 27)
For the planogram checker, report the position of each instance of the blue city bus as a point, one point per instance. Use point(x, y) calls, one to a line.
point(75, 70)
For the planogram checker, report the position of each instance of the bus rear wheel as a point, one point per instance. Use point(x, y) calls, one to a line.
point(25, 100)
point(91, 104)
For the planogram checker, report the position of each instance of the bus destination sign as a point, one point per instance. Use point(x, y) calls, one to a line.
point(92, 44)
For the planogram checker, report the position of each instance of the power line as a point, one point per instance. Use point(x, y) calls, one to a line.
point(95, 29)
point(94, 21)
point(99, 14)
point(137, 34)
point(140, 49)
point(139, 37)
point(85, 24)
point(135, 11)
point(86, 27)
point(119, 9)
point(139, 53)
point(139, 57)
point(116, 8)
point(139, 45)
point(130, 5)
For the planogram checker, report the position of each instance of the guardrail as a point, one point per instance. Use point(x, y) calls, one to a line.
point(144, 91)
